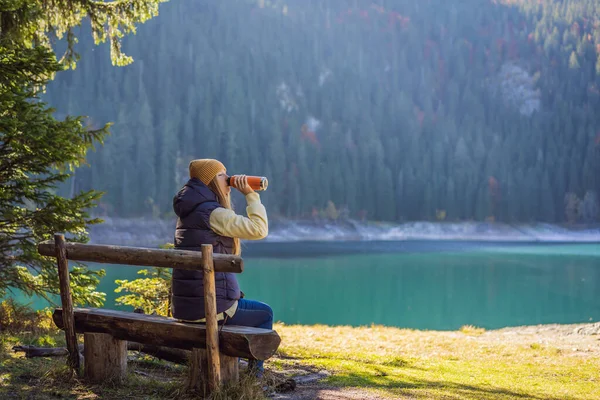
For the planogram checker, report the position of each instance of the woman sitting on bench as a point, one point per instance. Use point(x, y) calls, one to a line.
point(205, 216)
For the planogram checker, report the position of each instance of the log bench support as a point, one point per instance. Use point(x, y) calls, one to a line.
point(107, 332)
point(105, 358)
point(198, 378)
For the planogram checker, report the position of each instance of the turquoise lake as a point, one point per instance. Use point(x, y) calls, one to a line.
point(416, 284)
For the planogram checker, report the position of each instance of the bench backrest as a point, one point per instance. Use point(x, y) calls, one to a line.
point(140, 256)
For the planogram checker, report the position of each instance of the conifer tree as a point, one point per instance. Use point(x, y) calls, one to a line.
point(39, 151)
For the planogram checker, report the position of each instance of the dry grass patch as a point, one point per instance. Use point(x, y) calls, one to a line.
point(471, 330)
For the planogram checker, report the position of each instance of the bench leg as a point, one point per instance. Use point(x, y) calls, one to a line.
point(105, 357)
point(229, 369)
point(198, 372)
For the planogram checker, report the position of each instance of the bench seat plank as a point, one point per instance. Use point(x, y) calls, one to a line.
point(234, 341)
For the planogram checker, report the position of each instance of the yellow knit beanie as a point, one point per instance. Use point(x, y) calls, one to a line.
point(206, 169)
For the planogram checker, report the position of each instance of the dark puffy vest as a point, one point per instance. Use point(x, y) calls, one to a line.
point(193, 205)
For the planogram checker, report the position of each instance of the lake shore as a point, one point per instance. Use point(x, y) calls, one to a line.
point(375, 362)
point(153, 232)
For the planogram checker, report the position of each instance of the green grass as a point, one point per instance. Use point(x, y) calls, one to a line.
point(395, 363)
point(442, 365)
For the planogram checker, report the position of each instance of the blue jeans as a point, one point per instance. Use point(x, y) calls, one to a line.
point(254, 314)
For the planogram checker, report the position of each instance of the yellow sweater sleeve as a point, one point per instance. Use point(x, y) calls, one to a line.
point(226, 222)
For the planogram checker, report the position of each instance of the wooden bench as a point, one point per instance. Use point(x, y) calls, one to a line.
point(214, 350)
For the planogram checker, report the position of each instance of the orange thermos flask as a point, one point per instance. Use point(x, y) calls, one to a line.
point(256, 182)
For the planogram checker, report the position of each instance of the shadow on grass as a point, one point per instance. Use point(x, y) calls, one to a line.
point(400, 362)
point(447, 389)
point(47, 378)
point(50, 378)
point(21, 378)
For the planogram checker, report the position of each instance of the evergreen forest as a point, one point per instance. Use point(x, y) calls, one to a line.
point(389, 110)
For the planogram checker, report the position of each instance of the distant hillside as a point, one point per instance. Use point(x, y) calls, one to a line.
point(388, 110)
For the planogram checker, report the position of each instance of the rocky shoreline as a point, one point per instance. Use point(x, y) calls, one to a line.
point(144, 232)
point(149, 232)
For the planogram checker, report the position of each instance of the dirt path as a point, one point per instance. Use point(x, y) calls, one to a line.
point(577, 340)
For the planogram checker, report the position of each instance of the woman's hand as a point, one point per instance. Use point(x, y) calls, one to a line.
point(242, 185)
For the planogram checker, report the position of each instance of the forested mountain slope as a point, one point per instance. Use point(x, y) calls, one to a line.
point(384, 109)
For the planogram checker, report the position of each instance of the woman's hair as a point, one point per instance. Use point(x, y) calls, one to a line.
point(225, 200)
